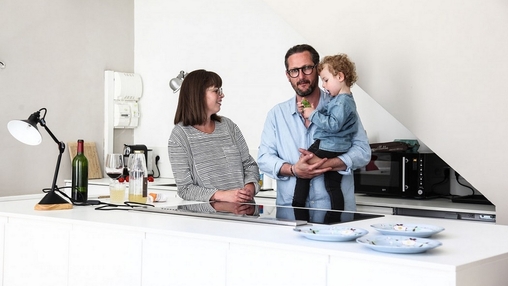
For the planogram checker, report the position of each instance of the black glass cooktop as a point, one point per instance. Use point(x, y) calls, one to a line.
point(268, 214)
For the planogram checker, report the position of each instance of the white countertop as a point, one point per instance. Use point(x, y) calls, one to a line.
point(472, 253)
point(464, 242)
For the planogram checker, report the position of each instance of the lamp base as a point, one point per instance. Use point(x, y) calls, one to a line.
point(40, 207)
point(52, 201)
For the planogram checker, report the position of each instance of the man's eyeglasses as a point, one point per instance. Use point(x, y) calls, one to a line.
point(307, 70)
point(217, 90)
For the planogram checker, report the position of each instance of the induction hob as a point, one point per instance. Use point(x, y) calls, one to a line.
point(268, 214)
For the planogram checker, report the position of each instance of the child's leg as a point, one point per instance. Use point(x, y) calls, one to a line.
point(333, 182)
point(300, 197)
point(333, 187)
point(301, 192)
point(302, 214)
point(303, 185)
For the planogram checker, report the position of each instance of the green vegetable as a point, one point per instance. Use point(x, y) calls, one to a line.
point(305, 103)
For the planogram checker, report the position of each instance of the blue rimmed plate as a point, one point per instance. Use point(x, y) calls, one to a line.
point(331, 233)
point(415, 230)
point(398, 244)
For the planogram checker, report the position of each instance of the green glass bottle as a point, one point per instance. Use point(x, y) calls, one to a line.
point(79, 191)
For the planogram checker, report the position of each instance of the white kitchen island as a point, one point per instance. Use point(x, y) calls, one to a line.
point(84, 246)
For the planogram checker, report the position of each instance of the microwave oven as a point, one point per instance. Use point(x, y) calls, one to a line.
point(403, 174)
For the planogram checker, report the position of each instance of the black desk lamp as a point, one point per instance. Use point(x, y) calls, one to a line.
point(26, 131)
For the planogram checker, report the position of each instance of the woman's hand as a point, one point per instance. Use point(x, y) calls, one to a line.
point(246, 194)
point(238, 209)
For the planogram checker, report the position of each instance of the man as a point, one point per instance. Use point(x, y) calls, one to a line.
point(286, 136)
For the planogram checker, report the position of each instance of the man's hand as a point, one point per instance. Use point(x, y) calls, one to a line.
point(300, 106)
point(305, 169)
point(331, 164)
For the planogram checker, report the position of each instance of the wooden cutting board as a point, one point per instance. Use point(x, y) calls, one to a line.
point(94, 167)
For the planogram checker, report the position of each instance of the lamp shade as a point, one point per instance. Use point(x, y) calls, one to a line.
point(176, 83)
point(25, 131)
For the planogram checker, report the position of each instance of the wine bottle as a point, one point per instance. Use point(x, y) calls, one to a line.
point(79, 191)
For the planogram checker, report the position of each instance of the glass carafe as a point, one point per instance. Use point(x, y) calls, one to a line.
point(138, 178)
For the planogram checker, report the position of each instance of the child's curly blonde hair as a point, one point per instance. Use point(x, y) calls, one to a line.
point(340, 63)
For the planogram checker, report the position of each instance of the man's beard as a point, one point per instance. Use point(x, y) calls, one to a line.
point(304, 92)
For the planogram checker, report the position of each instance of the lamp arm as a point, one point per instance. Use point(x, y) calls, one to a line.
point(61, 149)
point(42, 122)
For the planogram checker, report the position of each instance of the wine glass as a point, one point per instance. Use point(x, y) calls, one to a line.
point(114, 165)
point(114, 169)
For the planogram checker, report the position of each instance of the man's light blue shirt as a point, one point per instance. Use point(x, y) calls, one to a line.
point(283, 133)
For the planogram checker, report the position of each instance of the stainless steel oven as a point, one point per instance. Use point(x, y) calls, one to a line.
point(404, 174)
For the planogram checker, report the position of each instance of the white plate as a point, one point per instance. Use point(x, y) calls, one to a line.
point(416, 230)
point(331, 233)
point(398, 244)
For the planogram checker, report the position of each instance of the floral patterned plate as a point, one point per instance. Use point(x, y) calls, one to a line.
point(398, 244)
point(331, 233)
point(415, 230)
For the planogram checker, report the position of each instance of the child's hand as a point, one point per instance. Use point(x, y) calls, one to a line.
point(305, 103)
point(307, 111)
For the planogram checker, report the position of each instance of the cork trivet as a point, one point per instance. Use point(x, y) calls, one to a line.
point(94, 167)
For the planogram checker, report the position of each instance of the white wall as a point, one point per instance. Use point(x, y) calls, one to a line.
point(437, 66)
point(55, 53)
point(440, 67)
point(245, 43)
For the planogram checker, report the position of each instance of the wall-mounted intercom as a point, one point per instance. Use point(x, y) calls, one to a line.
point(126, 114)
point(128, 89)
point(122, 95)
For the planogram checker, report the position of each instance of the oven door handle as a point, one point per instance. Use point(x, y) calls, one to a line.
point(404, 163)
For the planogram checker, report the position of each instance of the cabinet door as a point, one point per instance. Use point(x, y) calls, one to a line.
point(36, 253)
point(105, 256)
point(257, 265)
point(176, 260)
point(3, 221)
point(381, 270)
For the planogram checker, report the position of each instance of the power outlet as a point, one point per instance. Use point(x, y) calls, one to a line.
point(458, 189)
point(163, 165)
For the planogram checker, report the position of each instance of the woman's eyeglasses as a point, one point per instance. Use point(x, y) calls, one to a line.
point(217, 90)
point(307, 70)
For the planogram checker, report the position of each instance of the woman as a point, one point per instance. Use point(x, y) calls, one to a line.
point(208, 153)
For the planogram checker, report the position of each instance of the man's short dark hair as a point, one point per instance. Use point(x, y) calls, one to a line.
point(300, 49)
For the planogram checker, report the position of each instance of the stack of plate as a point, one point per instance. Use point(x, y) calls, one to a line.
point(396, 238)
point(402, 238)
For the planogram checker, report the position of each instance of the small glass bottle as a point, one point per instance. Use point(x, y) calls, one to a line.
point(79, 192)
point(138, 178)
